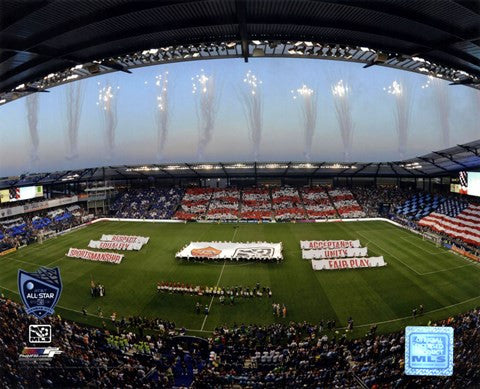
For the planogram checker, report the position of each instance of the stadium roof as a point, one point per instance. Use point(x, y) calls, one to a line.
point(44, 43)
point(436, 164)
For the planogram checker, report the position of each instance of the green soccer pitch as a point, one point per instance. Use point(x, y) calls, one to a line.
point(417, 272)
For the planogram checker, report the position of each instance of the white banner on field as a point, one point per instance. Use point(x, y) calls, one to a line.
point(232, 250)
point(125, 238)
point(104, 245)
point(95, 255)
point(350, 263)
point(335, 253)
point(328, 244)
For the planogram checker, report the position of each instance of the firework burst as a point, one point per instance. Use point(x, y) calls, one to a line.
point(162, 111)
point(74, 96)
point(402, 93)
point(341, 97)
point(308, 104)
point(107, 102)
point(206, 102)
point(252, 100)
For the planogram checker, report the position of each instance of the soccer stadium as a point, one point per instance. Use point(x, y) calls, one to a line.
point(240, 194)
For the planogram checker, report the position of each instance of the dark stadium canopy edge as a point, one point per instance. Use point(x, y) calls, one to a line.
point(436, 164)
point(44, 43)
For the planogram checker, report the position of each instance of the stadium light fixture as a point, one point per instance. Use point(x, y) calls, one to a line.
point(226, 49)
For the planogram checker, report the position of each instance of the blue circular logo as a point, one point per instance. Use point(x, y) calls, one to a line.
point(30, 285)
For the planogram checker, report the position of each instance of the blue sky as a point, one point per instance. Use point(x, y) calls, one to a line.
point(372, 111)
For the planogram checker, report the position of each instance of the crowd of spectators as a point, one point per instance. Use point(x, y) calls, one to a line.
point(371, 198)
point(256, 204)
point(276, 355)
point(317, 203)
point(224, 204)
point(194, 204)
point(28, 228)
point(345, 203)
point(287, 204)
point(151, 203)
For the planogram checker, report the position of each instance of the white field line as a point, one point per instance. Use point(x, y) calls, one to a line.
point(410, 316)
point(419, 247)
point(218, 282)
point(394, 256)
point(51, 263)
point(450, 268)
point(19, 260)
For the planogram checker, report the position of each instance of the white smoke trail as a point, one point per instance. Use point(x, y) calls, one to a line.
point(107, 102)
point(403, 94)
point(162, 111)
point(442, 104)
point(74, 96)
point(252, 101)
point(476, 109)
point(341, 94)
point(206, 102)
point(309, 108)
point(32, 117)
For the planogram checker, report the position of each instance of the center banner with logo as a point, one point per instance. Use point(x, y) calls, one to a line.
point(99, 244)
point(94, 255)
point(231, 250)
point(335, 253)
point(328, 244)
point(350, 263)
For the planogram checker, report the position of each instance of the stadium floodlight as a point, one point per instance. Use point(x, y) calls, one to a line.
point(304, 166)
point(337, 166)
point(272, 166)
point(238, 166)
point(418, 59)
point(143, 169)
point(176, 167)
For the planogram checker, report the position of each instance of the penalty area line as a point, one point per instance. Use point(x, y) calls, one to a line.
point(394, 256)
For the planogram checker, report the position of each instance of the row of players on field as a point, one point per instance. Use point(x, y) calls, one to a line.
point(237, 291)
